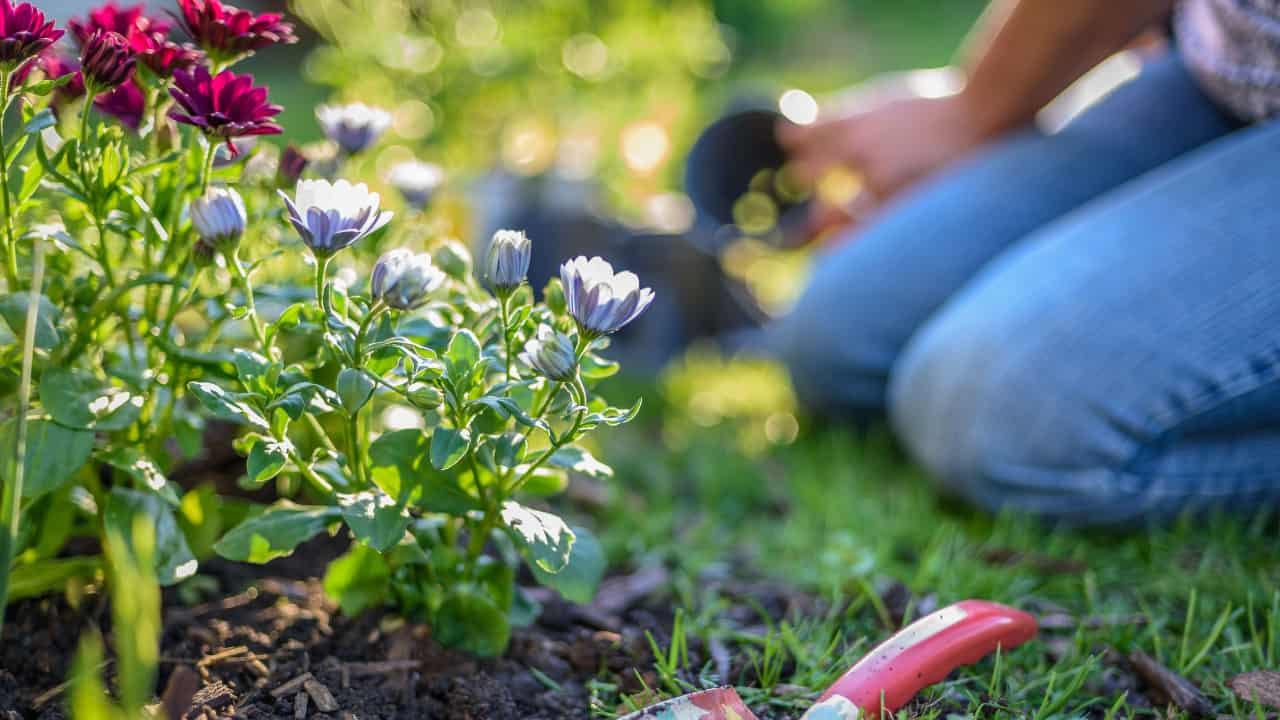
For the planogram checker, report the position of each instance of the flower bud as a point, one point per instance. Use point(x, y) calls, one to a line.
point(106, 60)
point(553, 296)
point(404, 280)
point(424, 396)
point(551, 354)
point(203, 254)
point(219, 218)
point(454, 259)
point(507, 261)
point(291, 166)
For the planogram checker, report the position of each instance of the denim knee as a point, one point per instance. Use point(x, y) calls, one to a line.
point(983, 410)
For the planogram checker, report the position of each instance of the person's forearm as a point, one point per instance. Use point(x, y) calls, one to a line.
point(1024, 52)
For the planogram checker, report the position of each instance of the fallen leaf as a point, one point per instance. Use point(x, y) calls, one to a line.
point(1258, 686)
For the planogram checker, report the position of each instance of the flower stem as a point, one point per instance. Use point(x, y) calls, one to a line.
point(11, 501)
point(505, 314)
point(207, 171)
point(246, 287)
point(11, 245)
point(322, 272)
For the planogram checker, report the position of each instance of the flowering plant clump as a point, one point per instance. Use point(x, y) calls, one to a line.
point(421, 403)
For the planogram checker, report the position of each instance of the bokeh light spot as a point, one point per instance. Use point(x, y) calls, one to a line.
point(644, 146)
point(798, 106)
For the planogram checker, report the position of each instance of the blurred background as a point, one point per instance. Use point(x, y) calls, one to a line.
point(572, 119)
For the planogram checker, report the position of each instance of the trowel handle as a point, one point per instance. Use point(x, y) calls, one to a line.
point(927, 650)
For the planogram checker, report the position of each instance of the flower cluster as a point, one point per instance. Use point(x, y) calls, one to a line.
point(137, 338)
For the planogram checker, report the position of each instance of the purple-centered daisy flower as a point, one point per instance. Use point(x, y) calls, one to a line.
point(600, 300)
point(24, 33)
point(228, 33)
point(332, 216)
point(226, 106)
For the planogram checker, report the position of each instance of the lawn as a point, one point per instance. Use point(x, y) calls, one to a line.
point(840, 515)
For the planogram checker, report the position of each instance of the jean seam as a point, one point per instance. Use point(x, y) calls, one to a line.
point(1239, 384)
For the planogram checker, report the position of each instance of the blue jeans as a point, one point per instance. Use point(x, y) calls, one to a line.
point(1084, 326)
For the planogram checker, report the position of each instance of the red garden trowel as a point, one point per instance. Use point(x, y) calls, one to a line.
point(921, 654)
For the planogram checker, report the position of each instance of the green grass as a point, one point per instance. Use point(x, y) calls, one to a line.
point(843, 516)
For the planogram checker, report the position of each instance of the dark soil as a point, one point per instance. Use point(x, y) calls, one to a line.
point(250, 652)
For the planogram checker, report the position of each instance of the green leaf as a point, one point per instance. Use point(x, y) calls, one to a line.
point(448, 446)
point(594, 367)
point(355, 387)
point(374, 518)
point(396, 460)
point(576, 459)
point(266, 459)
point(77, 399)
point(253, 369)
point(44, 87)
point(545, 538)
point(578, 580)
point(500, 452)
point(46, 576)
point(174, 560)
point(401, 466)
point(469, 619)
point(143, 470)
point(14, 309)
point(53, 455)
point(544, 481)
point(225, 406)
point(358, 580)
point(275, 532)
point(462, 355)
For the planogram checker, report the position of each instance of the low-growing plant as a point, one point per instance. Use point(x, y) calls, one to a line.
point(187, 277)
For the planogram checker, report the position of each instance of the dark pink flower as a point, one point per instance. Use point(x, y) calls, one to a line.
point(24, 33)
point(126, 21)
point(228, 33)
point(292, 164)
point(126, 103)
point(226, 106)
point(106, 60)
point(163, 56)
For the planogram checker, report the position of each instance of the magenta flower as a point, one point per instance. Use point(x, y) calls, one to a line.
point(228, 33)
point(127, 21)
point(24, 33)
point(125, 103)
point(106, 60)
point(163, 56)
point(227, 106)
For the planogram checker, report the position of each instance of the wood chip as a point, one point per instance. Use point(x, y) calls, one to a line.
point(1262, 686)
point(300, 705)
point(259, 668)
point(319, 692)
point(179, 693)
point(214, 695)
point(291, 685)
point(618, 594)
point(1168, 686)
point(1046, 564)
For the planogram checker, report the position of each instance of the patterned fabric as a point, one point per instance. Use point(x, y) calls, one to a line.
point(1233, 48)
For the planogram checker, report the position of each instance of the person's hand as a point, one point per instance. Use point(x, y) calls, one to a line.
point(890, 147)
